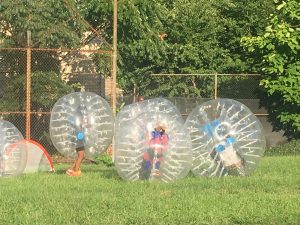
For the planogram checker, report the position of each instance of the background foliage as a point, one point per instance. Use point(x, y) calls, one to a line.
point(173, 36)
point(51, 26)
point(279, 51)
point(50, 23)
point(179, 36)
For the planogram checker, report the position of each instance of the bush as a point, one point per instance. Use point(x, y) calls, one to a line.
point(290, 148)
point(105, 159)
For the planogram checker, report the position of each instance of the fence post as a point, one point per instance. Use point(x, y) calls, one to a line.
point(114, 58)
point(114, 68)
point(216, 86)
point(28, 84)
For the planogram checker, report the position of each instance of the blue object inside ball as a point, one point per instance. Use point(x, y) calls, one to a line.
point(80, 136)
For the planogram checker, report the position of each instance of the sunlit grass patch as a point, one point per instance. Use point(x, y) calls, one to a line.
point(100, 196)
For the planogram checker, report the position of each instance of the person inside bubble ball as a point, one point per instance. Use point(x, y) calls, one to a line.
point(157, 146)
point(224, 153)
point(80, 122)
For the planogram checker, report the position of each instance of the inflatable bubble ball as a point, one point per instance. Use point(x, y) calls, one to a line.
point(227, 138)
point(162, 105)
point(12, 156)
point(152, 145)
point(81, 120)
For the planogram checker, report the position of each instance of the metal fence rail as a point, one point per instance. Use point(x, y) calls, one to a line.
point(218, 85)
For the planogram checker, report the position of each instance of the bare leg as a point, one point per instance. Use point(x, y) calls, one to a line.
point(80, 157)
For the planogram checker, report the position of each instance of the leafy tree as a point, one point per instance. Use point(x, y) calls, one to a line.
point(178, 36)
point(139, 45)
point(46, 88)
point(48, 85)
point(155, 36)
point(279, 50)
point(140, 48)
point(52, 25)
point(210, 32)
point(241, 18)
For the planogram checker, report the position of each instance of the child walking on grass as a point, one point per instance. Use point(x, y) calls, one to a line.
point(81, 122)
point(75, 171)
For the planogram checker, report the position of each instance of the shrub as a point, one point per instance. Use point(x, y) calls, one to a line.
point(290, 148)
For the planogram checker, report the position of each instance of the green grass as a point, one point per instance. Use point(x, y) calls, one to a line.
point(270, 196)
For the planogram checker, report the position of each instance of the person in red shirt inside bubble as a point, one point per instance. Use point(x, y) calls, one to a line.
point(153, 156)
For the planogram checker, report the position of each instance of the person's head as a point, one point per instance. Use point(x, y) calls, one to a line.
point(157, 128)
point(161, 127)
point(140, 98)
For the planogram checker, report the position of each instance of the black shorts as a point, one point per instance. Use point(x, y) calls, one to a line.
point(79, 145)
point(78, 149)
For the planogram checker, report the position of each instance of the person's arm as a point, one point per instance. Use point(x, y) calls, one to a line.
point(165, 141)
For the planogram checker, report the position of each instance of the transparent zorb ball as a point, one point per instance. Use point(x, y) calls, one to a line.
point(152, 145)
point(81, 120)
point(227, 138)
point(154, 105)
point(12, 156)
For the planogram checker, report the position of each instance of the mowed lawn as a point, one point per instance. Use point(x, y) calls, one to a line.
point(270, 196)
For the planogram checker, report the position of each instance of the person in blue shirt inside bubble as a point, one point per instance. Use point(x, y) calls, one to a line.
point(224, 151)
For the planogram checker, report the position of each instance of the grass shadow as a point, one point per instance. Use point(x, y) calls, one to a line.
point(90, 168)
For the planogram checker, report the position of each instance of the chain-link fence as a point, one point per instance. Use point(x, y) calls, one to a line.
point(188, 90)
point(32, 80)
point(245, 86)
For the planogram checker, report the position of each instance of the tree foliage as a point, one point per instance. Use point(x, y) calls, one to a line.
point(51, 23)
point(178, 36)
point(279, 50)
point(47, 87)
point(154, 36)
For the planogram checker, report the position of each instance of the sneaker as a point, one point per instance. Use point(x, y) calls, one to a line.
point(73, 173)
